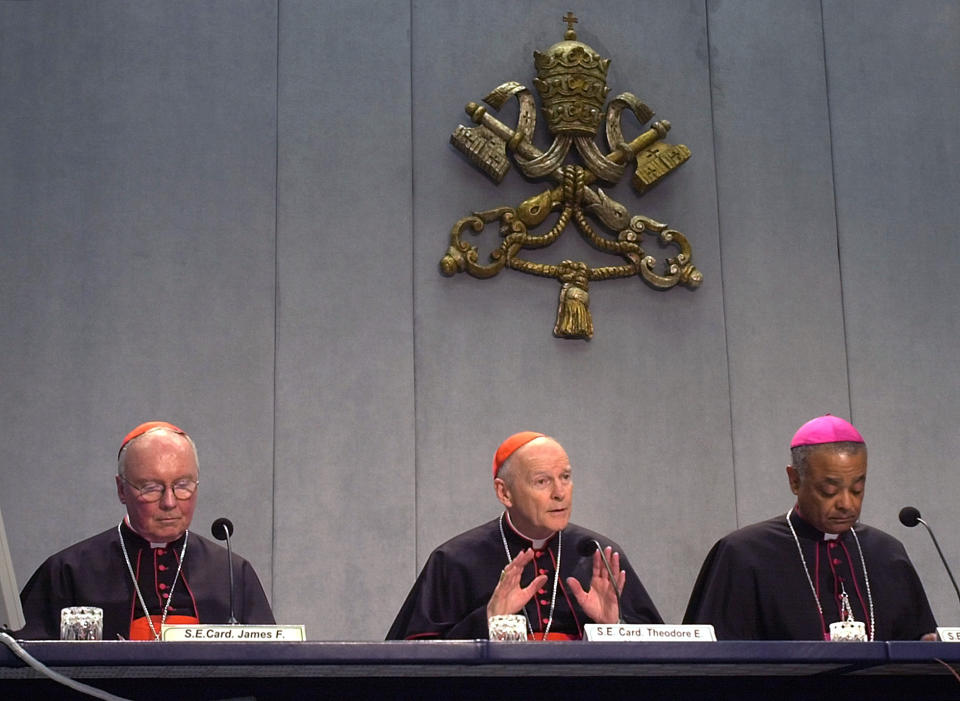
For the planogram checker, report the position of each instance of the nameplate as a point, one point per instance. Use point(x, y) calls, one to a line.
point(949, 634)
point(660, 632)
point(235, 633)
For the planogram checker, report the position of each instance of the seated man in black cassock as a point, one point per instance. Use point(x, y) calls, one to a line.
point(149, 569)
point(790, 577)
point(529, 560)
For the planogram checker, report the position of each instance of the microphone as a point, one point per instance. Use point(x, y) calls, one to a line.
point(910, 517)
point(585, 549)
point(222, 529)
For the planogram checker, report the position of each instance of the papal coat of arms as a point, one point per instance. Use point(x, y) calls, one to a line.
point(572, 84)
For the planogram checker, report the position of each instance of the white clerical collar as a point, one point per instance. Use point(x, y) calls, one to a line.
point(537, 543)
point(826, 536)
point(126, 521)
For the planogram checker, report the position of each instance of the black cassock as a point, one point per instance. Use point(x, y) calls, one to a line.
point(752, 585)
point(449, 598)
point(93, 573)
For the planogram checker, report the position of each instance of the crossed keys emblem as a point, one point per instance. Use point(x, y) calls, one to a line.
point(571, 81)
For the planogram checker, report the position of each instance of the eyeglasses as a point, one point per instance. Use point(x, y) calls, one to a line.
point(154, 491)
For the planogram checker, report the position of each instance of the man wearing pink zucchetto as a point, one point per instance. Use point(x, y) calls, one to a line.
point(791, 577)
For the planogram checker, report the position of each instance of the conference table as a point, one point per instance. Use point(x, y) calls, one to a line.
point(482, 669)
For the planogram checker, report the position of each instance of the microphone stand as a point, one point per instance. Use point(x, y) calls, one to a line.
point(940, 553)
point(910, 517)
point(613, 581)
point(225, 527)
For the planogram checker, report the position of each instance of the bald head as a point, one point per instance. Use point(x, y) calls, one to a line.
point(146, 443)
point(510, 466)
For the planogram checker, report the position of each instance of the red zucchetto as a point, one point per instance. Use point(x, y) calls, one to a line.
point(148, 426)
point(512, 445)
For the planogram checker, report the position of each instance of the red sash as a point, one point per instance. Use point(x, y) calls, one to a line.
point(553, 636)
point(140, 629)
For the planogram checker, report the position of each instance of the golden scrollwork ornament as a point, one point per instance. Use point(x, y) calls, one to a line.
point(572, 84)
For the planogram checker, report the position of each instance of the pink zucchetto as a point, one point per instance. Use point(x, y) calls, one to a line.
point(512, 445)
point(826, 429)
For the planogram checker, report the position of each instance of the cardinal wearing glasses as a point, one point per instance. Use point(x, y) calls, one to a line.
point(149, 569)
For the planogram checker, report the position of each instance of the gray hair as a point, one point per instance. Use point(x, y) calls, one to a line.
point(800, 455)
point(506, 470)
point(122, 458)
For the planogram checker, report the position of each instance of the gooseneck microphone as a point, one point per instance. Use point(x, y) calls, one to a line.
point(222, 529)
point(585, 549)
point(910, 517)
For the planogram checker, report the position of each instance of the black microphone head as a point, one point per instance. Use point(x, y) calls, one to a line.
point(586, 548)
point(221, 528)
point(909, 516)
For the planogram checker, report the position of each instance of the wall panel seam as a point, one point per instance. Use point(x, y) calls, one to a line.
point(276, 304)
point(413, 303)
point(723, 299)
point(836, 212)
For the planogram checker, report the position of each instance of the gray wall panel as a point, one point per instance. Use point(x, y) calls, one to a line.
point(344, 450)
point(487, 364)
point(895, 69)
point(137, 279)
point(779, 240)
